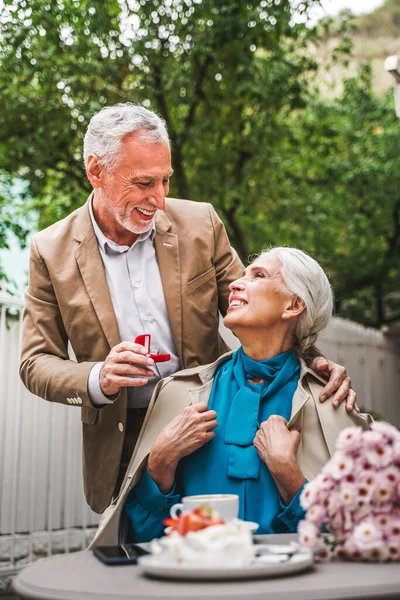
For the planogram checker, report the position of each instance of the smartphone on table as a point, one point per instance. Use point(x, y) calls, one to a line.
point(126, 554)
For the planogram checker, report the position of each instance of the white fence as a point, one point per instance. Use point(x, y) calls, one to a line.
point(42, 507)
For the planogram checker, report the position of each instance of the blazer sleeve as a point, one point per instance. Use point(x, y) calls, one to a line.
point(45, 368)
point(227, 263)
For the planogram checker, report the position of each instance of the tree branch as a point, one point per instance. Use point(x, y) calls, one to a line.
point(197, 96)
point(180, 174)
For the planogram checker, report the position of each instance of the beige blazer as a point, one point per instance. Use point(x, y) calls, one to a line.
point(320, 425)
point(68, 301)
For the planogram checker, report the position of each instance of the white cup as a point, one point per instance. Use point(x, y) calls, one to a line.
point(227, 505)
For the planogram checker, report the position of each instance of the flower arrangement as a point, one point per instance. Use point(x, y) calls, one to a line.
point(353, 505)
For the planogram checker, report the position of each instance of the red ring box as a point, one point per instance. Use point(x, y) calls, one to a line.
point(144, 340)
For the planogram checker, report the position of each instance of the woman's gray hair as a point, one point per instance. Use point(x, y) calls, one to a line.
point(305, 278)
point(108, 127)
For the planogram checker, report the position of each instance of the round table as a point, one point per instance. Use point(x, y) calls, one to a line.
point(81, 576)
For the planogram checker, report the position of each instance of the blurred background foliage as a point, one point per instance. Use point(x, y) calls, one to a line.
point(254, 130)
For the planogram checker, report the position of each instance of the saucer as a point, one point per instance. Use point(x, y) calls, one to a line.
point(154, 566)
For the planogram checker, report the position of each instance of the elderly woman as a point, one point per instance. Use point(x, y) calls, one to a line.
point(249, 424)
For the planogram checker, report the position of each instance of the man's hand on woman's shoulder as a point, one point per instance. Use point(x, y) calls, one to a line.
point(339, 383)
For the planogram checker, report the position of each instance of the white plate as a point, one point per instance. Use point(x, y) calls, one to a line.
point(151, 565)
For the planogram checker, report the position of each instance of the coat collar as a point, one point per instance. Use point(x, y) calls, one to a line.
point(206, 377)
point(82, 227)
point(168, 254)
point(91, 267)
point(206, 372)
point(163, 223)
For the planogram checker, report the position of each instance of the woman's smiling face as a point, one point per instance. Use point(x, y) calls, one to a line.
point(259, 298)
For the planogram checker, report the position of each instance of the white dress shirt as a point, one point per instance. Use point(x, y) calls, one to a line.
point(134, 282)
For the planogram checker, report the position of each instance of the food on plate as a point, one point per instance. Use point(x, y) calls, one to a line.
point(199, 518)
point(202, 538)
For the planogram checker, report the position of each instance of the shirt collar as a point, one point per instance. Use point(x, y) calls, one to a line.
point(110, 247)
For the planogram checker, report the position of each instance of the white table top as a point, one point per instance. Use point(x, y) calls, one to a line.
point(81, 576)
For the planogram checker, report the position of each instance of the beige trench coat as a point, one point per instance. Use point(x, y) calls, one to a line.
point(320, 425)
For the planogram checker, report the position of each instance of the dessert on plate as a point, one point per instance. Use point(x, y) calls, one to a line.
point(202, 538)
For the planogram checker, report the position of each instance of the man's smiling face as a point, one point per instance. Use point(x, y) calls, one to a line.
point(136, 188)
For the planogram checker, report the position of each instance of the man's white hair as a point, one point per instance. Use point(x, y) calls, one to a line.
point(108, 127)
point(305, 278)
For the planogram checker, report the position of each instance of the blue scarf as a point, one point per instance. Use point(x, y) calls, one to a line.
point(243, 421)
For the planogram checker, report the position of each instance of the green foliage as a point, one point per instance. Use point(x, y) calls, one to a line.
point(339, 174)
point(194, 62)
point(12, 220)
point(236, 83)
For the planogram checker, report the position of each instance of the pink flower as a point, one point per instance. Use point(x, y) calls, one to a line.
point(349, 439)
point(341, 552)
point(369, 480)
point(348, 495)
point(394, 530)
point(379, 455)
point(372, 438)
point(322, 553)
point(387, 430)
point(366, 535)
point(351, 549)
point(396, 453)
point(340, 465)
point(316, 514)
point(364, 493)
point(383, 489)
point(308, 534)
point(309, 494)
point(324, 481)
point(376, 553)
point(383, 521)
point(357, 497)
point(392, 476)
point(365, 466)
point(393, 548)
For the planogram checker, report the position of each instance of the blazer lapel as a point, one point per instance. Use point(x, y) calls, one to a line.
point(167, 252)
point(92, 271)
point(299, 399)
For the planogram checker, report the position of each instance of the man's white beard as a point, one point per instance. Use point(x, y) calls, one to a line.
point(125, 222)
point(137, 229)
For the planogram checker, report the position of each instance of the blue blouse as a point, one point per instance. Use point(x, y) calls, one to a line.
point(229, 463)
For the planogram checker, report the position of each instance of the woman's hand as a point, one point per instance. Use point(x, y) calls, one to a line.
point(277, 446)
point(185, 434)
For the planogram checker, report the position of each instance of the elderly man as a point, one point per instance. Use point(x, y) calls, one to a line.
point(128, 262)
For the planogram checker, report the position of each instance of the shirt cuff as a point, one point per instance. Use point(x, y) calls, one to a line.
point(95, 393)
point(149, 496)
point(293, 512)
